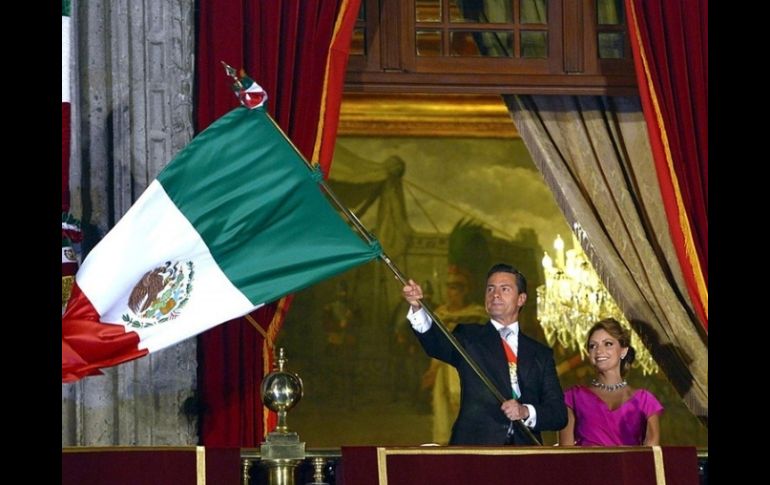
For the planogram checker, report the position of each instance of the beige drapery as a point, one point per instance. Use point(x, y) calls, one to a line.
point(594, 154)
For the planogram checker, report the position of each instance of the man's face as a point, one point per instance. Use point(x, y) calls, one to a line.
point(503, 299)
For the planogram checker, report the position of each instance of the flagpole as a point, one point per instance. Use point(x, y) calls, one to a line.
point(370, 239)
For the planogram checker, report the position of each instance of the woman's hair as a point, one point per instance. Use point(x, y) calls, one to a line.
point(613, 327)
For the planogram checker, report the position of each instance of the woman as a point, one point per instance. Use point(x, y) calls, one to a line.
point(610, 412)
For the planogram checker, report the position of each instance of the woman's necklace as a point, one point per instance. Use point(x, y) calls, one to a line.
point(609, 387)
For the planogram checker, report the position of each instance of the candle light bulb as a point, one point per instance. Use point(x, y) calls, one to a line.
point(559, 246)
point(547, 262)
point(558, 243)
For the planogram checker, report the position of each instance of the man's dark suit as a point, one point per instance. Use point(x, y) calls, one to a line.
point(481, 421)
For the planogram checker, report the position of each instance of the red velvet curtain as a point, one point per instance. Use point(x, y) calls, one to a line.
point(669, 40)
point(297, 51)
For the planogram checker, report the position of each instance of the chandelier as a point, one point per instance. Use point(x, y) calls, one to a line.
point(573, 299)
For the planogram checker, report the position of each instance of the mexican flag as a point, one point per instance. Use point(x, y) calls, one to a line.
point(235, 221)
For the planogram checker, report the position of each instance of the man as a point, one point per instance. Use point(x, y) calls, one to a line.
point(518, 366)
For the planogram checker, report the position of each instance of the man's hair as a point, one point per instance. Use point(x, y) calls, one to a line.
point(521, 281)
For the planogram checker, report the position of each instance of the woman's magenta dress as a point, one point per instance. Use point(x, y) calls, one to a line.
point(597, 425)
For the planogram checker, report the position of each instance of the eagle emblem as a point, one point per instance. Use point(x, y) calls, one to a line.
point(160, 294)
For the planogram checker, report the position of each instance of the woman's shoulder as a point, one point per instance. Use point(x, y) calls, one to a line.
point(577, 389)
point(648, 400)
point(646, 393)
point(581, 399)
point(642, 392)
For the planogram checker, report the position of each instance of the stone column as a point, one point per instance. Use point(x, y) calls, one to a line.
point(132, 112)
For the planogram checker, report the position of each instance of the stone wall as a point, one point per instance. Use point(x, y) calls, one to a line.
point(132, 112)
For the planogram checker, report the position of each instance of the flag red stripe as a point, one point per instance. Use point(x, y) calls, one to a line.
point(88, 344)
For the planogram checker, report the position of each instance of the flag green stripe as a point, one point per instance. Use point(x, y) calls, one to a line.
point(254, 202)
point(65, 8)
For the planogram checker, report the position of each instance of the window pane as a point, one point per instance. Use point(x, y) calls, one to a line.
point(358, 43)
point(533, 12)
point(611, 45)
point(534, 44)
point(427, 10)
point(480, 11)
point(609, 12)
point(428, 43)
point(488, 43)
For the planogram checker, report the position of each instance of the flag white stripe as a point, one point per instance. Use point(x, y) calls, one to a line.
point(152, 232)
